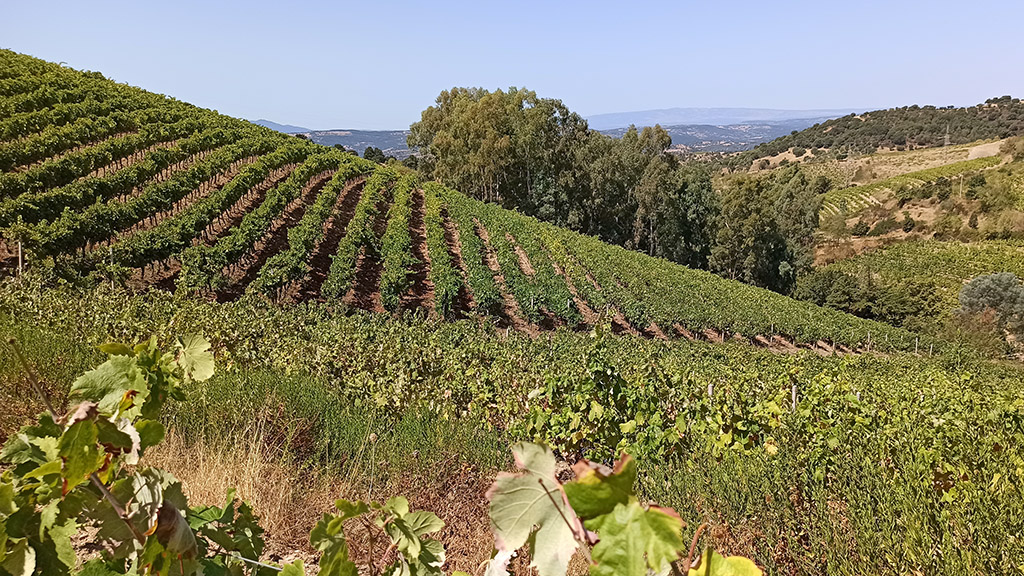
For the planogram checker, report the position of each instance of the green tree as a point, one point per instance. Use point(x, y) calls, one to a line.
point(1001, 294)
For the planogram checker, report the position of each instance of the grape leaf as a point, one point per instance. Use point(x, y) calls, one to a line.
point(294, 569)
point(151, 432)
point(81, 455)
point(20, 559)
point(116, 349)
point(712, 564)
point(597, 489)
point(534, 498)
point(328, 538)
point(195, 358)
point(635, 538)
point(174, 533)
point(117, 386)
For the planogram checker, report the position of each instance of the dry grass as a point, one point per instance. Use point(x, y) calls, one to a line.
point(289, 500)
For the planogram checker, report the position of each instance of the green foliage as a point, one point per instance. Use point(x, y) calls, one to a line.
point(1002, 293)
point(533, 155)
point(766, 237)
point(460, 388)
point(396, 245)
point(359, 235)
point(444, 274)
point(909, 126)
point(292, 264)
point(920, 184)
point(599, 506)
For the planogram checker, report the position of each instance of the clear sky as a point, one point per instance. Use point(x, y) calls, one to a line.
point(377, 64)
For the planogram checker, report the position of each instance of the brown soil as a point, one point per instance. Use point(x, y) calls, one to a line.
point(464, 303)
point(421, 294)
point(243, 272)
point(320, 260)
point(524, 261)
point(590, 318)
point(655, 331)
point(365, 290)
point(204, 190)
point(513, 315)
point(165, 277)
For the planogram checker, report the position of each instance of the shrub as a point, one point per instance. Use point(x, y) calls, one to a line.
point(884, 227)
point(908, 223)
point(861, 228)
point(1001, 294)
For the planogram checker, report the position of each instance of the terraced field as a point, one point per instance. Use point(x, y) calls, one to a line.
point(854, 199)
point(949, 265)
point(112, 182)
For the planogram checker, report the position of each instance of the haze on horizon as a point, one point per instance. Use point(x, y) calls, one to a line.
point(378, 65)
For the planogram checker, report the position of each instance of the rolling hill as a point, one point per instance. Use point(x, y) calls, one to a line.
point(908, 127)
point(375, 332)
point(159, 193)
point(707, 116)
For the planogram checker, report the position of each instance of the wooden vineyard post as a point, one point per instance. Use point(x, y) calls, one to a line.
point(793, 394)
point(21, 260)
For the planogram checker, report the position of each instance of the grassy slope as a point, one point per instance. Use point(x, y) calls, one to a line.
point(653, 290)
point(820, 489)
point(948, 264)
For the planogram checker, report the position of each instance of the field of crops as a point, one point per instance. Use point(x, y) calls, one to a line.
point(947, 265)
point(111, 182)
point(855, 198)
point(885, 464)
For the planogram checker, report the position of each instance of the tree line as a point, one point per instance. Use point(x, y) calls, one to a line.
point(536, 156)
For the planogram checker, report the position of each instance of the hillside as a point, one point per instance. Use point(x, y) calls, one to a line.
point(708, 116)
point(181, 198)
point(372, 334)
point(909, 127)
point(945, 265)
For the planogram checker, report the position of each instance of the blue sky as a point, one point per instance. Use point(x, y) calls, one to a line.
point(376, 65)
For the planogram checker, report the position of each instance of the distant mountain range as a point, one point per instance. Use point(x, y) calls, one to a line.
point(707, 116)
point(286, 128)
point(692, 129)
point(729, 137)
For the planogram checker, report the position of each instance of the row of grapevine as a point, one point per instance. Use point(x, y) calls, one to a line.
point(75, 230)
point(358, 234)
point(31, 207)
point(55, 140)
point(527, 294)
point(292, 264)
point(396, 245)
point(202, 267)
point(47, 96)
point(60, 171)
point(852, 199)
point(443, 272)
point(21, 125)
point(650, 293)
point(175, 234)
point(478, 276)
point(547, 287)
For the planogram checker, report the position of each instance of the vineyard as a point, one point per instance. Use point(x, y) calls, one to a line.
point(130, 217)
point(116, 184)
point(852, 200)
point(806, 464)
point(946, 265)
